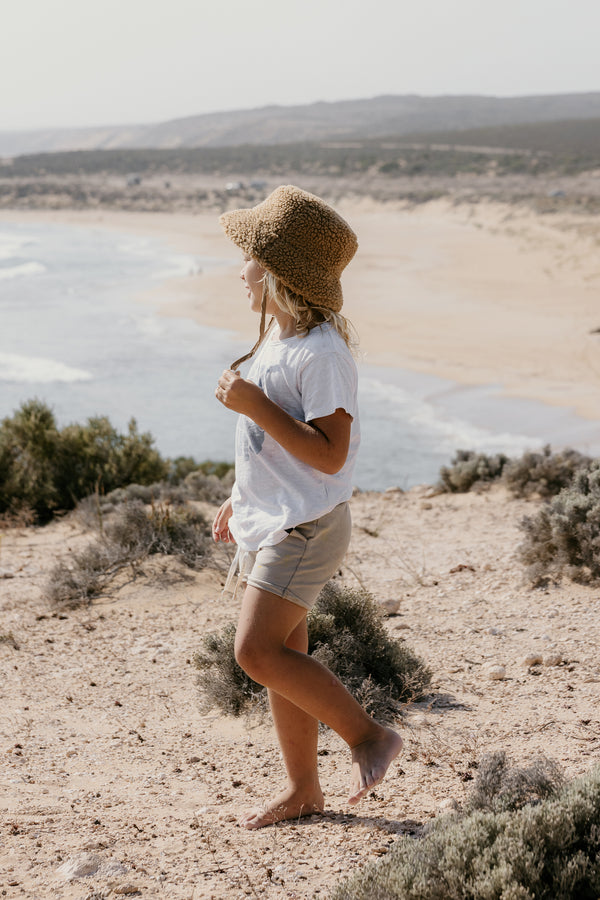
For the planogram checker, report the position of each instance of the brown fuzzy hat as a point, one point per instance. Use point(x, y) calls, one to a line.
point(299, 239)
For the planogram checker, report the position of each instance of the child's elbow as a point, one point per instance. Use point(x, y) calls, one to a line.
point(332, 465)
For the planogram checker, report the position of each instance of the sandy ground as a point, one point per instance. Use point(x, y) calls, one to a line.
point(114, 782)
point(481, 293)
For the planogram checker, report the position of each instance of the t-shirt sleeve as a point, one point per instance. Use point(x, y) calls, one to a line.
point(329, 382)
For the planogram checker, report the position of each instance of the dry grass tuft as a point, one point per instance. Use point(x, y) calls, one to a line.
point(130, 536)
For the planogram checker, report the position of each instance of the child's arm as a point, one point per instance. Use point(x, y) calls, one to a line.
point(322, 443)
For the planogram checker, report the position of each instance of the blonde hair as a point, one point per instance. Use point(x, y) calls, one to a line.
point(305, 314)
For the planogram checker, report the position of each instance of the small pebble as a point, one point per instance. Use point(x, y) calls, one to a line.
point(533, 659)
point(419, 720)
point(553, 659)
point(390, 606)
point(496, 673)
point(80, 866)
point(449, 805)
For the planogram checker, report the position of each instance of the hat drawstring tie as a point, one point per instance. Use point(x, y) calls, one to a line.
point(263, 332)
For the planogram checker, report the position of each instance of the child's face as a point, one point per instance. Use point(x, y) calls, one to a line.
point(252, 274)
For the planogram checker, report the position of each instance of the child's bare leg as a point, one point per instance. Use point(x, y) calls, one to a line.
point(297, 733)
point(266, 623)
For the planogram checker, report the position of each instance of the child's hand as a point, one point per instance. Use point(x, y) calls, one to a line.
point(220, 528)
point(237, 394)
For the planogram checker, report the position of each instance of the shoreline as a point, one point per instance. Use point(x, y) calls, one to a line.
point(485, 296)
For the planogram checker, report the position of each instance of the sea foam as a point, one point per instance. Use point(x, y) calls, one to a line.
point(38, 370)
point(447, 433)
point(21, 270)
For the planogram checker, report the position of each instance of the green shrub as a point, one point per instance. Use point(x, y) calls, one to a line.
point(469, 469)
point(96, 456)
point(548, 851)
point(545, 473)
point(563, 538)
point(345, 633)
point(134, 533)
point(183, 466)
point(29, 447)
point(48, 470)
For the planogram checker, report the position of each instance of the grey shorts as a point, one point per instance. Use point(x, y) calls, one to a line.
point(298, 567)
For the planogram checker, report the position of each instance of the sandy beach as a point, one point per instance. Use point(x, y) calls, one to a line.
point(482, 293)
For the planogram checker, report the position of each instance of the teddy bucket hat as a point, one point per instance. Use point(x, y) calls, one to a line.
point(298, 238)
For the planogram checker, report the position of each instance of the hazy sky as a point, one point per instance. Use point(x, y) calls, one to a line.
point(86, 62)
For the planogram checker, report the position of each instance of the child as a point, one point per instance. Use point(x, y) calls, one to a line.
point(296, 444)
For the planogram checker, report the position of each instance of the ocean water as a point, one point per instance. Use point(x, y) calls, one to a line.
point(73, 334)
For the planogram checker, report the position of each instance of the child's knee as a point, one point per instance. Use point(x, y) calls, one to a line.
point(247, 655)
point(255, 659)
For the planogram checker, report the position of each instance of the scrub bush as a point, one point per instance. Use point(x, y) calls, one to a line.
point(542, 473)
point(501, 787)
point(563, 538)
point(95, 455)
point(469, 469)
point(345, 633)
point(547, 851)
point(211, 487)
point(223, 683)
point(132, 535)
point(545, 473)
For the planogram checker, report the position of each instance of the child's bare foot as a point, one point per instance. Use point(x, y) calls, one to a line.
point(370, 762)
point(290, 804)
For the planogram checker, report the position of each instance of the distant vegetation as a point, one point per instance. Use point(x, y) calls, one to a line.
point(560, 147)
point(536, 472)
point(512, 162)
point(573, 145)
point(45, 470)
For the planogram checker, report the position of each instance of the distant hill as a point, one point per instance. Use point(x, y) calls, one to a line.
point(580, 136)
point(344, 120)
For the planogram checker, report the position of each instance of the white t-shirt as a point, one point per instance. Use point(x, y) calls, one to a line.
point(308, 377)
